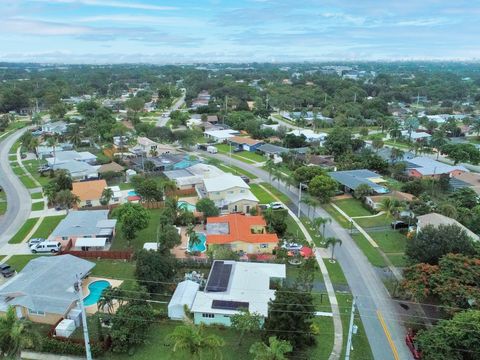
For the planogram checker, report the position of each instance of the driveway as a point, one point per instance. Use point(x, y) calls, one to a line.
point(374, 304)
point(18, 197)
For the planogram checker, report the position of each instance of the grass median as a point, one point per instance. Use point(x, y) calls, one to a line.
point(23, 231)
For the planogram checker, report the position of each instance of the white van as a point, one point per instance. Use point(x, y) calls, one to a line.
point(46, 246)
point(212, 149)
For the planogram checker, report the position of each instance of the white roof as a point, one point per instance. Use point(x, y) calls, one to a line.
point(427, 166)
point(184, 294)
point(93, 242)
point(205, 170)
point(224, 182)
point(309, 134)
point(416, 135)
point(233, 198)
point(115, 188)
point(150, 246)
point(221, 134)
point(241, 288)
point(144, 141)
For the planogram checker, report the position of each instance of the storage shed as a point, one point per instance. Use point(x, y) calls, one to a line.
point(184, 295)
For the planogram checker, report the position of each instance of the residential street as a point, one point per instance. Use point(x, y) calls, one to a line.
point(372, 298)
point(18, 197)
point(162, 121)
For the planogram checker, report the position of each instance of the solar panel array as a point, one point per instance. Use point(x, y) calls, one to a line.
point(229, 305)
point(219, 277)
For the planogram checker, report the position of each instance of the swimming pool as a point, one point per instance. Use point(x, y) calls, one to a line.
point(132, 193)
point(96, 289)
point(185, 163)
point(201, 246)
point(186, 206)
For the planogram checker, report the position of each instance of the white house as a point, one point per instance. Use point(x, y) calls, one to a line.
point(234, 286)
point(310, 135)
point(184, 295)
point(72, 155)
point(220, 135)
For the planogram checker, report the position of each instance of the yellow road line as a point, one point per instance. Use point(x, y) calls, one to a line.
point(387, 333)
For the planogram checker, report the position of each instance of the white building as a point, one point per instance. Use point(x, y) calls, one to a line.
point(310, 135)
point(220, 135)
point(184, 295)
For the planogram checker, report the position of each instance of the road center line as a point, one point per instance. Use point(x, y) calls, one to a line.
point(387, 333)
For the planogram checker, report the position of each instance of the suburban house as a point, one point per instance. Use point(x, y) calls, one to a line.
point(71, 155)
point(466, 179)
point(422, 166)
point(241, 233)
point(150, 148)
point(120, 142)
point(416, 135)
point(308, 116)
point(192, 176)
point(230, 289)
point(436, 220)
point(351, 179)
point(229, 192)
point(387, 154)
point(184, 295)
point(245, 143)
point(219, 136)
point(78, 170)
point(374, 201)
point(310, 135)
point(84, 224)
point(44, 150)
point(57, 127)
point(111, 167)
point(89, 192)
point(43, 292)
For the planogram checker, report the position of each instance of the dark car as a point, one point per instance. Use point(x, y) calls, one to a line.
point(399, 225)
point(6, 270)
point(245, 178)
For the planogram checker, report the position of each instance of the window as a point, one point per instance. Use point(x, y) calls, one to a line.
point(263, 246)
point(64, 237)
point(36, 312)
point(206, 315)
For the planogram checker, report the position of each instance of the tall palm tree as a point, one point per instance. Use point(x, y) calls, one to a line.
point(332, 241)
point(321, 222)
point(74, 135)
point(390, 206)
point(277, 175)
point(52, 141)
point(107, 195)
point(193, 340)
point(275, 350)
point(270, 167)
point(193, 238)
point(169, 186)
point(15, 335)
point(438, 140)
point(309, 201)
point(396, 154)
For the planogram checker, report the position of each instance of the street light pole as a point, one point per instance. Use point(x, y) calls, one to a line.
point(84, 318)
point(350, 332)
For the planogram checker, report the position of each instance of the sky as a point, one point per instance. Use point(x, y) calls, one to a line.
point(188, 31)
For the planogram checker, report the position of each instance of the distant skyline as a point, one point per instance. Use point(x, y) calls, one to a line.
point(160, 32)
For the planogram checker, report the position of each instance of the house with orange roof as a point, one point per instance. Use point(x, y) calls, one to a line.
point(245, 143)
point(89, 192)
point(241, 233)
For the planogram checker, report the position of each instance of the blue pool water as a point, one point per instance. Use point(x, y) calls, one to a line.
point(132, 193)
point(187, 206)
point(201, 247)
point(185, 163)
point(96, 288)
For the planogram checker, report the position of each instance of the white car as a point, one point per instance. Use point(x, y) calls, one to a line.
point(46, 246)
point(275, 205)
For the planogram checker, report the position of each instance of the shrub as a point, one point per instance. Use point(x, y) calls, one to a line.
point(54, 346)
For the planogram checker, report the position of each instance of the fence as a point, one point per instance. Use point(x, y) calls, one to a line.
point(114, 254)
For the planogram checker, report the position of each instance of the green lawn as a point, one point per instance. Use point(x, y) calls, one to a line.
point(262, 196)
point(116, 269)
point(28, 182)
point(47, 226)
point(336, 216)
point(125, 186)
point(148, 234)
point(18, 262)
point(32, 166)
point(390, 241)
point(235, 170)
point(372, 254)
point(398, 260)
point(17, 170)
point(3, 202)
point(352, 207)
point(225, 149)
point(37, 206)
point(37, 195)
point(377, 221)
point(281, 196)
point(316, 237)
point(23, 231)
point(335, 272)
point(13, 149)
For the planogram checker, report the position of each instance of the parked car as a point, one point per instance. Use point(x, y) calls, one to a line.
point(237, 150)
point(410, 341)
point(46, 246)
point(275, 206)
point(35, 241)
point(6, 270)
point(399, 225)
point(212, 149)
point(245, 178)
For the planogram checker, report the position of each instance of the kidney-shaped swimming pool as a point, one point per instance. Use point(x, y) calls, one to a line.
point(96, 289)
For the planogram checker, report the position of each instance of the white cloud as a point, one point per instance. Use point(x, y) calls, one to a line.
point(142, 19)
point(111, 3)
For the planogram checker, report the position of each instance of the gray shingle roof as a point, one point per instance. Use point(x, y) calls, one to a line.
point(83, 223)
point(353, 178)
point(45, 284)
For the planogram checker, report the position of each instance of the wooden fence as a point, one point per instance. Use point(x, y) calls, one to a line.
point(112, 254)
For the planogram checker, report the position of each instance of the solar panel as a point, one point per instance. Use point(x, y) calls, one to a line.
point(229, 305)
point(219, 277)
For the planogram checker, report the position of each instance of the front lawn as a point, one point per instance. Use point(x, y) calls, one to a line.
point(281, 196)
point(339, 218)
point(37, 195)
point(372, 254)
point(3, 202)
point(262, 196)
point(376, 221)
point(235, 170)
point(335, 272)
point(36, 206)
point(47, 226)
point(23, 231)
point(294, 229)
point(149, 234)
point(28, 182)
point(390, 241)
point(352, 207)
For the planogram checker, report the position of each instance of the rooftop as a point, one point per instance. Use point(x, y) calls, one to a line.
point(245, 140)
point(436, 219)
point(353, 178)
point(236, 227)
point(84, 223)
point(89, 190)
point(224, 182)
point(427, 166)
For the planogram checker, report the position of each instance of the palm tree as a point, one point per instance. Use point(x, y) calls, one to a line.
point(331, 241)
point(321, 222)
point(275, 350)
point(74, 135)
point(107, 195)
point(396, 154)
point(390, 206)
point(52, 142)
point(277, 175)
point(169, 186)
point(193, 340)
point(438, 140)
point(309, 201)
point(270, 167)
point(15, 335)
point(193, 238)
point(476, 127)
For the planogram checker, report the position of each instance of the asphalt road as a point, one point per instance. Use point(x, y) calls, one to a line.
point(162, 121)
point(372, 298)
point(18, 197)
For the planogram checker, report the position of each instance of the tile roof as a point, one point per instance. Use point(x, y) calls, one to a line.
point(245, 140)
point(113, 166)
point(238, 228)
point(89, 190)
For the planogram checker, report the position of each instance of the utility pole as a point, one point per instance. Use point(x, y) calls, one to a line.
point(78, 288)
point(230, 153)
point(350, 332)
point(299, 198)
